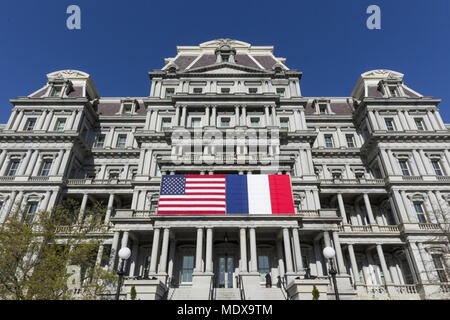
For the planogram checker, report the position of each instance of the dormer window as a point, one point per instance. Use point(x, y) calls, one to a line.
point(280, 92)
point(225, 90)
point(389, 124)
point(198, 90)
point(127, 108)
point(252, 90)
point(56, 91)
point(393, 91)
point(419, 124)
point(323, 108)
point(169, 93)
point(29, 126)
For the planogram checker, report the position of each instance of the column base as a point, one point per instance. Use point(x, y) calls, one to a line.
point(302, 289)
point(201, 283)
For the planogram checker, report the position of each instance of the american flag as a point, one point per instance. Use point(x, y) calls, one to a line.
point(192, 194)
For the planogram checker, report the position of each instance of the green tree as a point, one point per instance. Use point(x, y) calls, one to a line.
point(36, 253)
point(315, 293)
point(133, 293)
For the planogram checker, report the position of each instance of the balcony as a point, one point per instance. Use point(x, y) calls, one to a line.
point(348, 228)
point(380, 182)
point(388, 292)
point(225, 158)
point(97, 181)
point(82, 229)
point(420, 227)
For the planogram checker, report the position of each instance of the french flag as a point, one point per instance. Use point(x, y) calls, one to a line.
point(259, 194)
point(226, 194)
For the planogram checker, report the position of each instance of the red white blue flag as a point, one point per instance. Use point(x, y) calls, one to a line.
point(226, 194)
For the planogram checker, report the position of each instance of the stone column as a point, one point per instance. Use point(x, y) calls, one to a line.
point(109, 208)
point(384, 267)
point(280, 258)
point(57, 163)
point(267, 117)
point(83, 208)
point(37, 167)
point(253, 253)
point(24, 164)
point(18, 121)
point(10, 207)
point(48, 120)
point(297, 250)
point(98, 260)
point(164, 251)
point(418, 162)
point(45, 201)
point(214, 117)
point(115, 244)
point(274, 116)
point(243, 245)
point(326, 239)
point(72, 119)
point(339, 255)
point(134, 257)
point(199, 251)
point(155, 248)
point(209, 245)
point(207, 116)
point(427, 164)
point(355, 270)
point(172, 244)
point(369, 208)
point(183, 116)
point(342, 208)
point(287, 250)
point(318, 256)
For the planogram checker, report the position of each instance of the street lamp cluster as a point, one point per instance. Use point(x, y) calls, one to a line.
point(124, 255)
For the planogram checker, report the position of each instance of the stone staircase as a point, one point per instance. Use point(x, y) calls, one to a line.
point(186, 294)
point(273, 293)
point(227, 294)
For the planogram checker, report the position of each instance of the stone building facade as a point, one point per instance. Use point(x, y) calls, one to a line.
point(370, 177)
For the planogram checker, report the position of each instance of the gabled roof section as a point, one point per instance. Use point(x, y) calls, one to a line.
point(206, 54)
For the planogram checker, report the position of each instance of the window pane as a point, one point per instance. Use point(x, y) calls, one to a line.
point(13, 168)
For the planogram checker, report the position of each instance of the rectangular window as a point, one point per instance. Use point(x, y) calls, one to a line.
point(252, 90)
point(121, 140)
point(323, 108)
point(419, 124)
point(280, 92)
point(113, 174)
point(350, 140)
point(13, 168)
point(60, 124)
point(225, 90)
point(32, 208)
point(328, 141)
point(30, 124)
point(224, 122)
point(196, 122)
point(389, 124)
point(263, 266)
point(198, 90)
point(436, 167)
point(170, 92)
point(419, 211)
point(284, 123)
point(254, 122)
point(56, 91)
point(100, 141)
point(127, 108)
point(404, 167)
point(166, 123)
point(45, 170)
point(439, 267)
point(187, 268)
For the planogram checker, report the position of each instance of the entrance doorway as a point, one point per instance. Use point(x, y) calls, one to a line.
point(225, 271)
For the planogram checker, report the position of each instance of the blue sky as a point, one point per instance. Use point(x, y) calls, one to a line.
point(120, 41)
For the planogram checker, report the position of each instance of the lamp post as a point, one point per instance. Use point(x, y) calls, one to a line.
point(124, 254)
point(329, 254)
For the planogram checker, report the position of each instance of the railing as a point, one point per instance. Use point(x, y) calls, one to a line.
point(428, 226)
point(444, 288)
point(352, 181)
point(443, 178)
point(240, 284)
point(376, 289)
point(388, 228)
point(412, 178)
point(78, 228)
point(406, 289)
point(361, 228)
point(98, 181)
point(38, 179)
point(143, 214)
point(307, 213)
point(211, 288)
point(283, 287)
point(7, 178)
